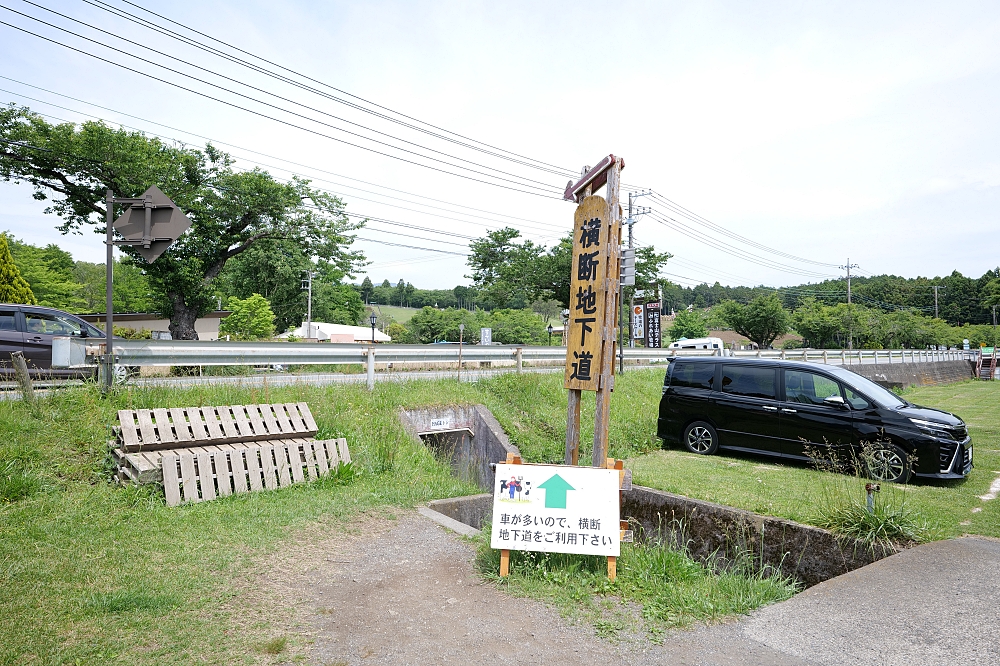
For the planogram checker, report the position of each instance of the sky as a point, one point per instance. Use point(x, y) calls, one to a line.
point(782, 139)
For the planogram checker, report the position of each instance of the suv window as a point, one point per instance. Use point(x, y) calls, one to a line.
point(8, 320)
point(809, 387)
point(39, 323)
point(693, 375)
point(749, 381)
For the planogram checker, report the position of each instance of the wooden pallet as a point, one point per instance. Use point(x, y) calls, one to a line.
point(205, 474)
point(181, 427)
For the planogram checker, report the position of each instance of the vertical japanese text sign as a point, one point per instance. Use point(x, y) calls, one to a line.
point(587, 293)
point(653, 324)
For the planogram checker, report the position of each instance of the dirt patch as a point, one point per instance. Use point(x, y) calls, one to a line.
point(406, 591)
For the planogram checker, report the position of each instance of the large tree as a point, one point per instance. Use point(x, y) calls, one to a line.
point(761, 321)
point(72, 166)
point(506, 271)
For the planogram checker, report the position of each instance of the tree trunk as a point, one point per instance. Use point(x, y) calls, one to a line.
point(182, 320)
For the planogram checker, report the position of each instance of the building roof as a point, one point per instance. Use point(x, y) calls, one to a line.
point(337, 333)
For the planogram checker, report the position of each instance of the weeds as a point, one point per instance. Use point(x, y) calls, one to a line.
point(275, 645)
point(843, 501)
point(659, 586)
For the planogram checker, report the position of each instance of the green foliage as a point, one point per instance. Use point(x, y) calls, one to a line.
point(688, 325)
point(510, 327)
point(504, 270)
point(230, 210)
point(49, 272)
point(251, 318)
point(763, 320)
point(517, 327)
point(401, 334)
point(658, 587)
point(13, 287)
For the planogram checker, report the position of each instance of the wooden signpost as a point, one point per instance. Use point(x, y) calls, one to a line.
point(591, 340)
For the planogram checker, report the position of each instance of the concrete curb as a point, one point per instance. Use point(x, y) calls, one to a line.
point(450, 523)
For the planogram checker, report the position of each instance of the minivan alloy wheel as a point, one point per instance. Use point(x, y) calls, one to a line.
point(888, 463)
point(700, 437)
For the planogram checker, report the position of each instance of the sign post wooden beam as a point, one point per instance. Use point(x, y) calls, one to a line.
point(574, 394)
point(606, 382)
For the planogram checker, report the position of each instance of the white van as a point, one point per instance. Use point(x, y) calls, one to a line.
point(698, 343)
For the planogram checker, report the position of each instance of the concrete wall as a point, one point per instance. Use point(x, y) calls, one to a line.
point(471, 456)
point(809, 554)
point(916, 374)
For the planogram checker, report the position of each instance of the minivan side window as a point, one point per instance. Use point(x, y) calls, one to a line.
point(749, 381)
point(8, 321)
point(693, 375)
point(855, 399)
point(809, 387)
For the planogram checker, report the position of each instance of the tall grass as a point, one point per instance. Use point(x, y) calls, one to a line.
point(659, 586)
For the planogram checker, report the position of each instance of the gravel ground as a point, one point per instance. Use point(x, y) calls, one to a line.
point(405, 592)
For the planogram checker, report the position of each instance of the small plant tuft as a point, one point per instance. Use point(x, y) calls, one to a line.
point(275, 645)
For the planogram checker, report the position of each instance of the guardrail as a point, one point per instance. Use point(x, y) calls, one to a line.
point(70, 352)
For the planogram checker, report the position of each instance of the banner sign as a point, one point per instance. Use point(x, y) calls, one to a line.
point(638, 325)
point(486, 336)
point(556, 509)
point(653, 338)
point(587, 294)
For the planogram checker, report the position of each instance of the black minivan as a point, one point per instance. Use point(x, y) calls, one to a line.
point(802, 411)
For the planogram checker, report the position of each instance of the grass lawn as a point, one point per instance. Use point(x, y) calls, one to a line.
point(92, 573)
point(400, 314)
point(763, 485)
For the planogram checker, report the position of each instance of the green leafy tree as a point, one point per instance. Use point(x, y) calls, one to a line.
point(505, 271)
point(13, 287)
point(817, 323)
point(688, 325)
point(251, 318)
point(131, 290)
point(516, 327)
point(401, 334)
point(367, 289)
point(431, 325)
point(49, 271)
point(761, 321)
point(231, 210)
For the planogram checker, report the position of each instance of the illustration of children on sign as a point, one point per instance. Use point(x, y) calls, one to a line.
point(515, 485)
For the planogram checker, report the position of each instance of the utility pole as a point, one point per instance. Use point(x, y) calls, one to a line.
point(850, 315)
point(935, 287)
point(307, 284)
point(625, 322)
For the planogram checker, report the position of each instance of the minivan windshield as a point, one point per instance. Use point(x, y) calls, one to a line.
point(883, 397)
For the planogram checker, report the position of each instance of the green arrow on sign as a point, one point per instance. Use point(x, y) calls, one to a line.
point(555, 492)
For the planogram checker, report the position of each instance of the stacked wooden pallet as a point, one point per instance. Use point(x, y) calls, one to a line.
point(200, 453)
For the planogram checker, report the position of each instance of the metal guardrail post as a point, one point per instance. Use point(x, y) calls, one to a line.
point(371, 368)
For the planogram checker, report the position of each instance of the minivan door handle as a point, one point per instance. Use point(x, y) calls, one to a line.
point(770, 409)
point(789, 411)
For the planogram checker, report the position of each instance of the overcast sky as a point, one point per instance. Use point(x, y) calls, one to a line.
point(824, 131)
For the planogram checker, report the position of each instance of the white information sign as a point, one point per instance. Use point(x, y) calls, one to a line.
point(486, 336)
point(556, 509)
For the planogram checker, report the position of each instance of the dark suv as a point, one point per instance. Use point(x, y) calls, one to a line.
point(30, 329)
point(803, 411)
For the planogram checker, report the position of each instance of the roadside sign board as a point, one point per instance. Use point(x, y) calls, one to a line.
point(556, 509)
point(151, 224)
point(653, 338)
point(486, 336)
point(638, 323)
point(587, 294)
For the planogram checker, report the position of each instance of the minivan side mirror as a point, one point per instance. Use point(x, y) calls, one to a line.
point(835, 400)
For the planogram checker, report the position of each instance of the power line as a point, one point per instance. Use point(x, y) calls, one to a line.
point(260, 90)
point(268, 117)
point(694, 217)
point(310, 176)
point(192, 42)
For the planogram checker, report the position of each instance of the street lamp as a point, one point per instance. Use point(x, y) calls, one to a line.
point(373, 319)
point(549, 329)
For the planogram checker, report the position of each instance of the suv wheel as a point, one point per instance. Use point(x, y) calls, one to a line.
point(701, 438)
point(889, 463)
